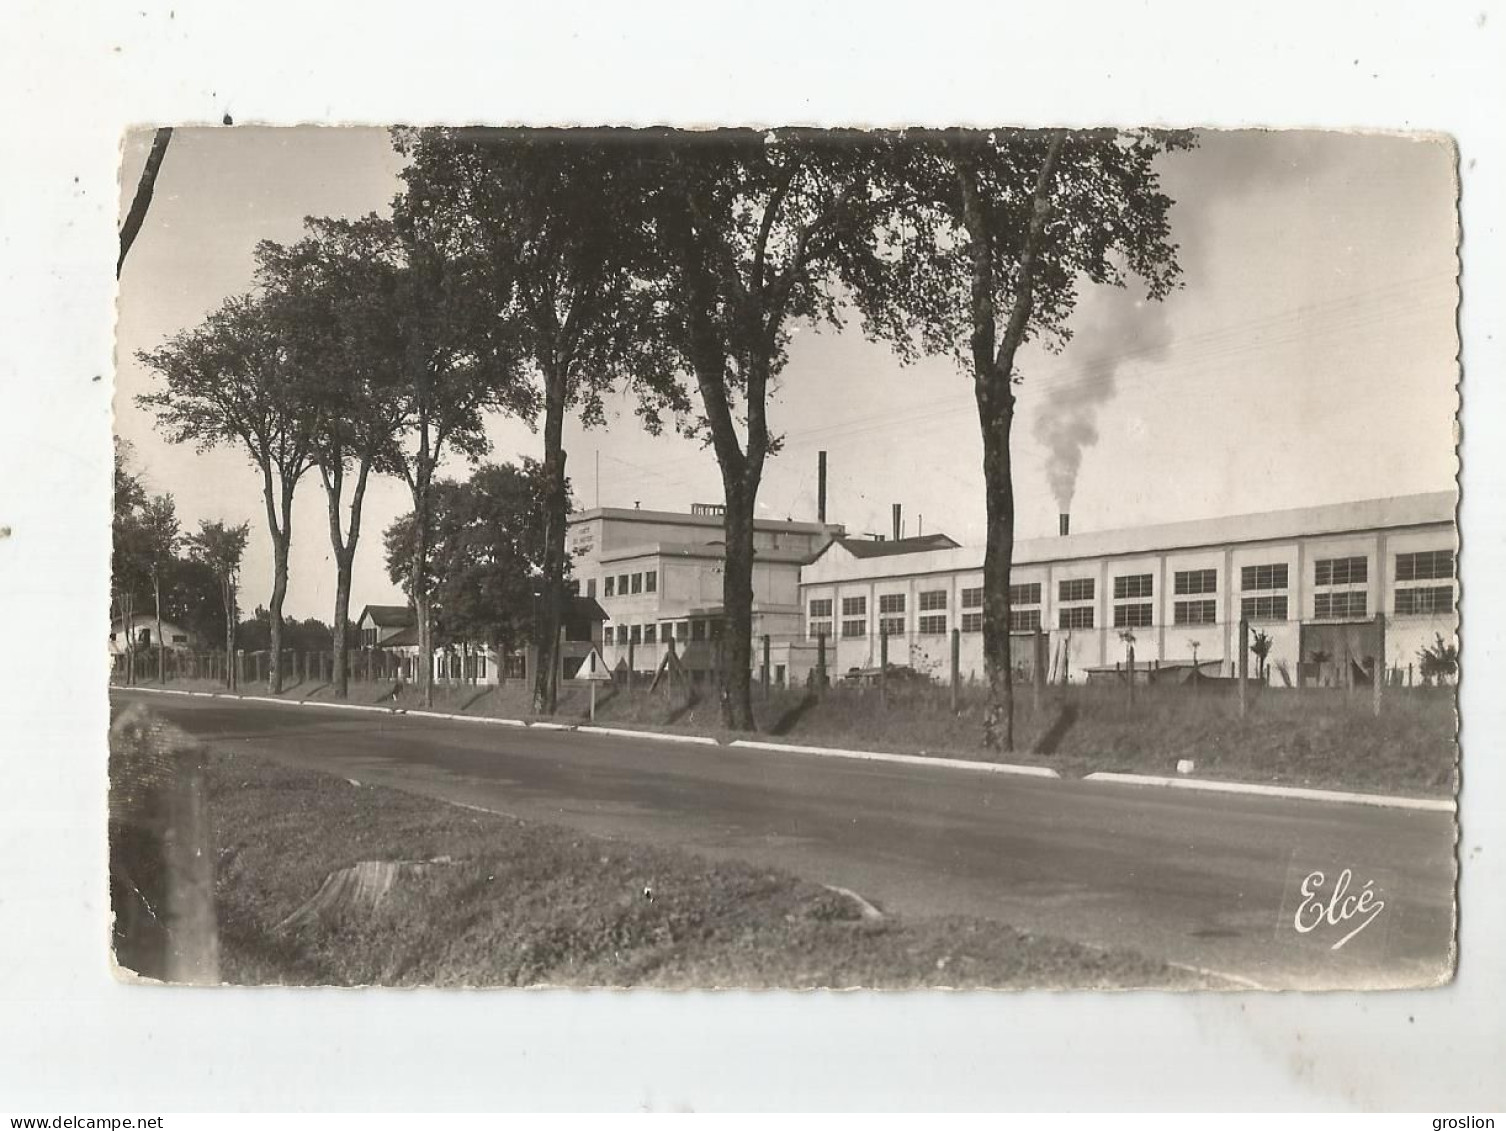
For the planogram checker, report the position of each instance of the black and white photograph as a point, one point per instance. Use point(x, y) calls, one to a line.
point(1012, 558)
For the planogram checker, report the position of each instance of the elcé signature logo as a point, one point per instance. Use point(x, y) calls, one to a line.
point(1336, 906)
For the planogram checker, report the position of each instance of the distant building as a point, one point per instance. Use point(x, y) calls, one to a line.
point(394, 629)
point(143, 632)
point(379, 624)
point(1312, 579)
point(658, 576)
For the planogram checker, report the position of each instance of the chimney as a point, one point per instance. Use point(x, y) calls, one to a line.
point(821, 487)
point(1064, 524)
point(896, 522)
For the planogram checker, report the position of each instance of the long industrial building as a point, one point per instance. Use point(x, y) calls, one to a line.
point(1312, 580)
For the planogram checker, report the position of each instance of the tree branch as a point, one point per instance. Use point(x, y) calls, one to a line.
point(143, 198)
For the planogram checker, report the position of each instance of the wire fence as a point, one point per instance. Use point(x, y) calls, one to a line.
point(942, 670)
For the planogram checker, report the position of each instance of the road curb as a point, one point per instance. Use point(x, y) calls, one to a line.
point(624, 732)
point(906, 759)
point(1297, 793)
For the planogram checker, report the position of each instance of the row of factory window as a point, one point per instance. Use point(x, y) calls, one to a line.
point(624, 584)
point(1134, 609)
point(705, 629)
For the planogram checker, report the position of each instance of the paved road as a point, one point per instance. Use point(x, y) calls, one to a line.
point(1207, 880)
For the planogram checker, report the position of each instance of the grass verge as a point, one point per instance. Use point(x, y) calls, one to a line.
point(511, 903)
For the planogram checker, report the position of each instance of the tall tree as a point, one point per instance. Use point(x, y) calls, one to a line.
point(554, 221)
point(990, 239)
point(220, 548)
point(457, 364)
point(755, 233)
point(334, 298)
point(229, 381)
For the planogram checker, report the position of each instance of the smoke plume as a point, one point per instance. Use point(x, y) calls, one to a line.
point(1119, 331)
point(1115, 330)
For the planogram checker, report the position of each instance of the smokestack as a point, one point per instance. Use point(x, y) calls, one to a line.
point(821, 487)
point(896, 522)
point(1064, 524)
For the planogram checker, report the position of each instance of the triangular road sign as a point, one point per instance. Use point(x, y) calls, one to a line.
point(594, 668)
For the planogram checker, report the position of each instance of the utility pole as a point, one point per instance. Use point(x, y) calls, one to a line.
point(956, 668)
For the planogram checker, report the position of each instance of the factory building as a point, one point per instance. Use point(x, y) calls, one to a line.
point(658, 576)
point(1313, 580)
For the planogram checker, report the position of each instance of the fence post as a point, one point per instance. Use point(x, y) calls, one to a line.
point(956, 672)
point(1037, 669)
point(883, 665)
point(632, 652)
point(1378, 675)
point(1244, 662)
point(820, 663)
point(1132, 676)
point(766, 669)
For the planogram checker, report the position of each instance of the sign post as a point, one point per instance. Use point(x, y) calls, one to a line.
point(594, 670)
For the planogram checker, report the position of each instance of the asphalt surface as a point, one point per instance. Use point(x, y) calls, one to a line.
point(1211, 881)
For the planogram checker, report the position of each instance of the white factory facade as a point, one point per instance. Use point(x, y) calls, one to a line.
point(1313, 580)
point(658, 576)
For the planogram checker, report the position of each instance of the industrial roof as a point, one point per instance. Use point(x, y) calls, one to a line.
point(874, 548)
point(714, 550)
point(681, 518)
point(1435, 508)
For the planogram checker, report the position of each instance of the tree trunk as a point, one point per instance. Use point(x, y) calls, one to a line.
point(998, 561)
point(128, 624)
point(274, 608)
point(161, 645)
point(993, 370)
point(229, 592)
point(341, 673)
point(736, 650)
point(418, 587)
point(344, 546)
point(425, 659)
point(556, 508)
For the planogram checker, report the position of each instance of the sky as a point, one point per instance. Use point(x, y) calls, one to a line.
point(1309, 357)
